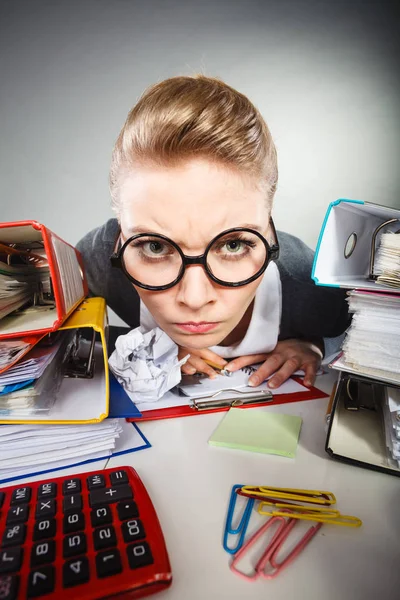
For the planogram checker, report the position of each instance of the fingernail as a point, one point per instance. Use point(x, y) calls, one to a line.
point(253, 381)
point(191, 370)
point(230, 367)
point(272, 384)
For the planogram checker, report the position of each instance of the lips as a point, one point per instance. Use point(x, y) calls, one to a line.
point(199, 327)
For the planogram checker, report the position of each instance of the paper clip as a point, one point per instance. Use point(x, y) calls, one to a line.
point(241, 529)
point(269, 555)
point(309, 496)
point(319, 515)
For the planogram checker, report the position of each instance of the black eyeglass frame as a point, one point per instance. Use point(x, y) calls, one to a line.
point(272, 253)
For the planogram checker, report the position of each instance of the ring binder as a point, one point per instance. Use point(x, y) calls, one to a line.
point(56, 290)
point(84, 401)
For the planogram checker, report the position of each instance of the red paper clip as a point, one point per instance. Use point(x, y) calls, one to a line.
point(269, 556)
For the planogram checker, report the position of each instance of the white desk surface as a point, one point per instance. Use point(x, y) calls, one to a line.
point(190, 483)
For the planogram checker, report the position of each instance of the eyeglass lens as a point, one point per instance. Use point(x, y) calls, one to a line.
point(234, 257)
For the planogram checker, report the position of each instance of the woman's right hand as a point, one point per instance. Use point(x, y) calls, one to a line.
point(196, 363)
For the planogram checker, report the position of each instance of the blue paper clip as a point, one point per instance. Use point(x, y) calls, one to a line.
point(243, 523)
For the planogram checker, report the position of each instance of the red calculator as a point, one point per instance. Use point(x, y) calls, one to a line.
point(90, 536)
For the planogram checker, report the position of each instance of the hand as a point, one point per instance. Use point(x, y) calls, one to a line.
point(196, 362)
point(287, 357)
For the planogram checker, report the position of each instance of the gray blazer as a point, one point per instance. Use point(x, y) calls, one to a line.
point(309, 311)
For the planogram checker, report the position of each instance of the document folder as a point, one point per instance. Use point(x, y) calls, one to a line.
point(59, 294)
point(345, 251)
point(84, 393)
point(356, 433)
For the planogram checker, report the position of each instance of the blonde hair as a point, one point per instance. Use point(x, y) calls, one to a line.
point(187, 117)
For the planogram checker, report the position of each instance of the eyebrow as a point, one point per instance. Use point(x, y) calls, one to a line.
point(139, 229)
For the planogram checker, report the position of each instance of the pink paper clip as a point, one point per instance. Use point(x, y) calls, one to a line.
point(269, 556)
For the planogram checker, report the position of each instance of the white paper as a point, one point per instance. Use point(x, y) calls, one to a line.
point(146, 363)
point(129, 439)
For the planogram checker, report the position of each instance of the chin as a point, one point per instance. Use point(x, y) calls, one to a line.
point(198, 341)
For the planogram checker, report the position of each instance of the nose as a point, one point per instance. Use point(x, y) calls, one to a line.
point(195, 289)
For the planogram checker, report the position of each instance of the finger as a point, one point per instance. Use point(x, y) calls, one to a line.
point(270, 366)
point(288, 368)
point(212, 357)
point(201, 367)
point(310, 372)
point(188, 368)
point(245, 361)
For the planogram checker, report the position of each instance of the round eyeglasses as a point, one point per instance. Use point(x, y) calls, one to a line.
point(233, 258)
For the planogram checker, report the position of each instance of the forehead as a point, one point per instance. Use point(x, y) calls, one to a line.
point(190, 202)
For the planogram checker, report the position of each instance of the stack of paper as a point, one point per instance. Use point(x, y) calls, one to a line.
point(18, 283)
point(391, 414)
point(32, 384)
point(11, 351)
point(30, 448)
point(387, 261)
point(372, 343)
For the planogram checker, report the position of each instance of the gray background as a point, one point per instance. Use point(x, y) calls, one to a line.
point(325, 75)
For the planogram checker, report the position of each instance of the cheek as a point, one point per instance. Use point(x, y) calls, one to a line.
point(158, 303)
point(237, 300)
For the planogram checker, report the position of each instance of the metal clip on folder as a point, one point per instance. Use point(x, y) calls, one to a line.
point(207, 402)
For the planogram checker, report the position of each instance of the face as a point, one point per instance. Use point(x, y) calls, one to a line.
point(192, 203)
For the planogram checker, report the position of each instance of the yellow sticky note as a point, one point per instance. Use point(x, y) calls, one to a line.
point(256, 431)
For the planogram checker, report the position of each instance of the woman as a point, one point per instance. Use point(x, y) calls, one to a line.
point(193, 177)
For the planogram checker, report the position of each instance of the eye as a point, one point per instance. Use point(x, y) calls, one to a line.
point(233, 246)
point(155, 247)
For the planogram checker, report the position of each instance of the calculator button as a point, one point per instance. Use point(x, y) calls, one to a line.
point(18, 514)
point(2, 496)
point(72, 502)
point(139, 555)
point(118, 477)
point(95, 481)
point(75, 571)
point(74, 544)
point(71, 486)
point(42, 553)
point(45, 528)
point(46, 508)
point(108, 495)
point(133, 530)
point(10, 559)
point(8, 587)
point(104, 537)
point(14, 536)
point(101, 516)
point(41, 581)
point(108, 563)
point(21, 495)
point(127, 510)
point(74, 521)
point(47, 490)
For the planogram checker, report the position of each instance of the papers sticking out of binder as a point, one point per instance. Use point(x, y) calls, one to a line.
point(51, 393)
point(41, 279)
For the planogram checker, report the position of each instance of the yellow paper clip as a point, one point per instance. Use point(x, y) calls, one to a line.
point(329, 513)
point(309, 496)
point(313, 515)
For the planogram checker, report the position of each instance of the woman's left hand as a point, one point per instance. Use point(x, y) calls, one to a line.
point(287, 357)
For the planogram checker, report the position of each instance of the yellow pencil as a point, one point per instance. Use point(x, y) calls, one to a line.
point(222, 370)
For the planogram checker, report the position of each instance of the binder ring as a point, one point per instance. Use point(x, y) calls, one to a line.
point(373, 248)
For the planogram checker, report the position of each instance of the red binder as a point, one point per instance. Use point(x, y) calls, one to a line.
point(311, 393)
point(66, 280)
